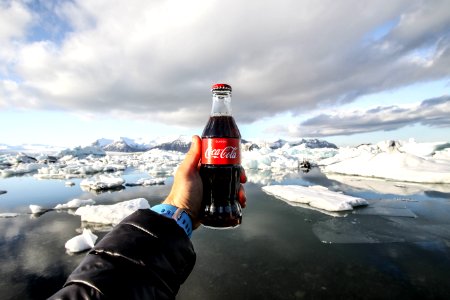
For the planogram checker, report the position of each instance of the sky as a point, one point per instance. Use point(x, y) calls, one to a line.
point(348, 72)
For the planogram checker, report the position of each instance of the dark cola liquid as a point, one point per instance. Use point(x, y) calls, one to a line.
point(220, 205)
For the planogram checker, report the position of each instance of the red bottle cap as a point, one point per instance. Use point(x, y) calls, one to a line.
point(221, 87)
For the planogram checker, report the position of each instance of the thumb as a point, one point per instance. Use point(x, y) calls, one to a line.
point(193, 156)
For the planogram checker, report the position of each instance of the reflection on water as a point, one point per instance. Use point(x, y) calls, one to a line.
point(397, 247)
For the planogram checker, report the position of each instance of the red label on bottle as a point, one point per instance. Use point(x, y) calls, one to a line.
point(221, 151)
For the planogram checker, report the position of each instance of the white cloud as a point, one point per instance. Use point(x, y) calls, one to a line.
point(158, 59)
point(14, 19)
point(432, 112)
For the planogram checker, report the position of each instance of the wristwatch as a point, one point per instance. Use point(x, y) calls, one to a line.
point(178, 214)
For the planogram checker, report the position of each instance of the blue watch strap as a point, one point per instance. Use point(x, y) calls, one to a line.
point(178, 214)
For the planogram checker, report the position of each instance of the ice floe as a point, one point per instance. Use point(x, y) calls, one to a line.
point(390, 160)
point(75, 203)
point(81, 242)
point(147, 181)
point(20, 169)
point(36, 209)
point(315, 196)
point(102, 182)
point(111, 214)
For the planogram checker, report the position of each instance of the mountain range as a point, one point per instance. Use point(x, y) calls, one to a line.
point(180, 143)
point(183, 143)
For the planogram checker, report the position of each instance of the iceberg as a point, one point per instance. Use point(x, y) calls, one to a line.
point(102, 182)
point(83, 152)
point(36, 209)
point(111, 214)
point(383, 186)
point(21, 168)
point(148, 181)
point(390, 161)
point(75, 203)
point(81, 242)
point(316, 196)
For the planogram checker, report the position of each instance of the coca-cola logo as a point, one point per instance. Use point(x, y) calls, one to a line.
point(221, 151)
point(227, 152)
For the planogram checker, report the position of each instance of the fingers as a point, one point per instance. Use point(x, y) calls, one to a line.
point(242, 197)
point(192, 158)
point(243, 177)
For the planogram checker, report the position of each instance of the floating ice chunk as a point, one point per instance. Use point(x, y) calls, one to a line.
point(82, 152)
point(102, 182)
point(75, 203)
point(21, 169)
point(148, 181)
point(81, 242)
point(151, 181)
point(36, 209)
point(111, 214)
point(316, 196)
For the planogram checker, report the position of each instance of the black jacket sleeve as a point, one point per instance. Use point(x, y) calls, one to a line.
point(146, 256)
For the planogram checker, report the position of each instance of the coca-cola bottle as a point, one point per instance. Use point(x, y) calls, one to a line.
point(220, 168)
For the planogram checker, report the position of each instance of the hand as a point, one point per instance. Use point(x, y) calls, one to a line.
point(187, 189)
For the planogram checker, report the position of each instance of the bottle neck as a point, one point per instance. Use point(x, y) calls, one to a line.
point(221, 103)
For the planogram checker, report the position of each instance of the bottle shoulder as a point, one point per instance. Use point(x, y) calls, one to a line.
point(221, 126)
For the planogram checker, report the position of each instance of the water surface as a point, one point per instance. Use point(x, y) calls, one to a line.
point(279, 252)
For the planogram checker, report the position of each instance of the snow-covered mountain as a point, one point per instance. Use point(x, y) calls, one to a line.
point(180, 143)
point(123, 145)
point(308, 143)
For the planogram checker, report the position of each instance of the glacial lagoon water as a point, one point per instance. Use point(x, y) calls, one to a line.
point(396, 248)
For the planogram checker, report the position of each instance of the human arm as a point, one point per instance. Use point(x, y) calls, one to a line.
point(146, 256)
